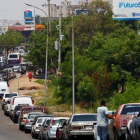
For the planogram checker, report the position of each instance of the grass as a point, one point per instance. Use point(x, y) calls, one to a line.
point(52, 106)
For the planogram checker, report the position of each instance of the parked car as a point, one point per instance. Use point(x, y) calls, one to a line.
point(7, 107)
point(81, 125)
point(24, 122)
point(19, 69)
point(133, 128)
point(3, 88)
point(122, 117)
point(11, 73)
point(7, 96)
point(19, 100)
point(30, 119)
point(51, 131)
point(43, 128)
point(37, 125)
point(16, 112)
point(59, 130)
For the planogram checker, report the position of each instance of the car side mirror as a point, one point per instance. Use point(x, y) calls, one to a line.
point(39, 125)
point(64, 123)
point(45, 125)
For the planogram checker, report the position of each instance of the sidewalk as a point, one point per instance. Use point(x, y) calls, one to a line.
point(24, 82)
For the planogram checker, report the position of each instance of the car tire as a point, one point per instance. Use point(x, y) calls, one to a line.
point(35, 136)
point(22, 128)
point(128, 136)
point(25, 130)
point(69, 138)
point(116, 136)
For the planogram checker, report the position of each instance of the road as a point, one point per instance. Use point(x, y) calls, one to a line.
point(9, 130)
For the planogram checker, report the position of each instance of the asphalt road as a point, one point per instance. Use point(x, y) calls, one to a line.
point(9, 130)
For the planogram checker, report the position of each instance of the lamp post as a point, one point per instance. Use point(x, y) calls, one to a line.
point(73, 85)
point(47, 41)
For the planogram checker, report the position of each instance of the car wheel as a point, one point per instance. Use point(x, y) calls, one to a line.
point(128, 136)
point(25, 130)
point(69, 138)
point(22, 128)
point(116, 137)
point(35, 136)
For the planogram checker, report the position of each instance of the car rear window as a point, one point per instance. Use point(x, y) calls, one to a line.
point(55, 122)
point(10, 95)
point(32, 116)
point(130, 109)
point(13, 56)
point(40, 121)
point(84, 118)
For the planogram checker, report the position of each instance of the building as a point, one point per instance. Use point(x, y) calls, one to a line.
point(64, 7)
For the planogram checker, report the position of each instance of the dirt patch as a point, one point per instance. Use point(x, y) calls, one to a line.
point(30, 88)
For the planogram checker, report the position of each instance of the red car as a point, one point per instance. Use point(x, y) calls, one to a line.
point(123, 115)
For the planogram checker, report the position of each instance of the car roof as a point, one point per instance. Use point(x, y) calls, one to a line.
point(59, 118)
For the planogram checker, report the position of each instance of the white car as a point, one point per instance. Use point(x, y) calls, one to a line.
point(7, 96)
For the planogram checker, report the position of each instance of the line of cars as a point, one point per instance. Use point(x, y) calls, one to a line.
point(31, 118)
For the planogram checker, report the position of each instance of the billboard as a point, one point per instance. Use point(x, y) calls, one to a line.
point(126, 9)
point(29, 16)
point(84, 12)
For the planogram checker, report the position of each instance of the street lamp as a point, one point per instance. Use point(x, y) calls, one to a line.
point(47, 41)
point(73, 85)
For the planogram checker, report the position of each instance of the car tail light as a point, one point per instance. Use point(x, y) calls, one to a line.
point(124, 122)
point(57, 134)
point(32, 101)
point(21, 119)
point(20, 59)
point(27, 121)
point(51, 123)
point(3, 100)
point(13, 102)
point(45, 128)
point(15, 112)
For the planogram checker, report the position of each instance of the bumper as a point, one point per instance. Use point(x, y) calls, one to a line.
point(52, 135)
point(122, 131)
point(82, 132)
point(37, 131)
point(28, 127)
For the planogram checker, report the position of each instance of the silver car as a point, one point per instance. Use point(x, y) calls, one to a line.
point(36, 127)
point(29, 120)
point(43, 128)
point(81, 125)
point(53, 125)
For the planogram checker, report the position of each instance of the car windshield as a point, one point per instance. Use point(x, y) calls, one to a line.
point(10, 95)
point(84, 118)
point(40, 121)
point(130, 109)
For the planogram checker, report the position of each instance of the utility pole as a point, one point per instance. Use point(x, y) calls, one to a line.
point(49, 18)
point(59, 50)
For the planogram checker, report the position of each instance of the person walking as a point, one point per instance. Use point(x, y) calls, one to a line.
point(102, 121)
point(30, 76)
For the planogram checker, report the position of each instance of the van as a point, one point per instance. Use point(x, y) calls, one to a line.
point(14, 59)
point(3, 88)
point(16, 100)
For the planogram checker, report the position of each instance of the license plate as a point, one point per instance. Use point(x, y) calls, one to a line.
point(89, 127)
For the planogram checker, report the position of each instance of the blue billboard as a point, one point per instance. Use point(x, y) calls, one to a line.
point(28, 17)
point(84, 11)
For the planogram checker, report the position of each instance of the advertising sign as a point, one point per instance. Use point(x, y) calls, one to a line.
point(78, 12)
point(126, 9)
point(28, 16)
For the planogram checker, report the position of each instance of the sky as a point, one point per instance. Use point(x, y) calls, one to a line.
point(14, 9)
